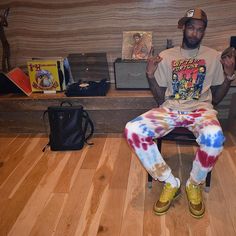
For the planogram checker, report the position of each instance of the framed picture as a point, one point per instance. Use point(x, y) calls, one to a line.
point(136, 45)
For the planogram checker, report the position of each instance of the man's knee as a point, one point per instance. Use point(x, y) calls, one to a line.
point(212, 136)
point(138, 126)
point(129, 128)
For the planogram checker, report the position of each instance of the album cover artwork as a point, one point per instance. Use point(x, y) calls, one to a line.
point(136, 45)
point(44, 75)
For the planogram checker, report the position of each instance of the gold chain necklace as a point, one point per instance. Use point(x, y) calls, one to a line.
point(191, 57)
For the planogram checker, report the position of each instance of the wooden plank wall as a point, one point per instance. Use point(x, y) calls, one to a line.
point(58, 27)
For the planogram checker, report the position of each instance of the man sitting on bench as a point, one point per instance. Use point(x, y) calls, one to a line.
point(185, 81)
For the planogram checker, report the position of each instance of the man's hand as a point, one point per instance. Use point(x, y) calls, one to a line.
point(157, 91)
point(152, 63)
point(228, 61)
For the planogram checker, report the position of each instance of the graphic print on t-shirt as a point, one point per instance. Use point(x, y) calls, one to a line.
point(188, 76)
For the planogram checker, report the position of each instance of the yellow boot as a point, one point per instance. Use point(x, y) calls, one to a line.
point(196, 205)
point(168, 194)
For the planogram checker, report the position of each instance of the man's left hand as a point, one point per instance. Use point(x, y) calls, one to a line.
point(228, 61)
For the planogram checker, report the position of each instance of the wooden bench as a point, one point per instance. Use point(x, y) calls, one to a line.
point(110, 113)
point(22, 114)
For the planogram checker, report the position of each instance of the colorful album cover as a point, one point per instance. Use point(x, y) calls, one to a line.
point(136, 45)
point(188, 76)
point(44, 75)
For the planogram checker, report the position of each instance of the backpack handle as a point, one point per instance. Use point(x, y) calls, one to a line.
point(88, 121)
point(66, 102)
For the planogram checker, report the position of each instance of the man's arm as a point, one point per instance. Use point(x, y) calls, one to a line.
point(219, 91)
point(157, 91)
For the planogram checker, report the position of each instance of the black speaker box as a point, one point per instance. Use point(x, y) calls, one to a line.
point(130, 74)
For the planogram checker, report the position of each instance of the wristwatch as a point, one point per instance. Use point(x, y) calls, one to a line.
point(231, 77)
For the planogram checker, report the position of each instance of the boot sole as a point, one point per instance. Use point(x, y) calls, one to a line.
point(190, 211)
point(197, 216)
point(194, 215)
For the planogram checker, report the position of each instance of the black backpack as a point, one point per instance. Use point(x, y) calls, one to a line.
point(70, 127)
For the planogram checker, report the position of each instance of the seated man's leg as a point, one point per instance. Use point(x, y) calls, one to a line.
point(210, 139)
point(140, 133)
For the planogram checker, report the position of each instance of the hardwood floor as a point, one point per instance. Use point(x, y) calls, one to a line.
point(102, 190)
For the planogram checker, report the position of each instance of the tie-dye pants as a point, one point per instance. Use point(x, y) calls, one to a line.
point(158, 122)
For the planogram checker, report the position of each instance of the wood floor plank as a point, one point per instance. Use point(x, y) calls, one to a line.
point(29, 158)
point(11, 157)
point(152, 223)
point(71, 169)
point(121, 167)
point(20, 149)
point(99, 189)
point(218, 213)
point(98, 183)
point(91, 214)
point(35, 204)
point(230, 145)
point(111, 219)
point(5, 141)
point(112, 215)
point(12, 208)
point(94, 152)
point(102, 176)
point(102, 190)
point(226, 172)
point(47, 220)
point(133, 216)
point(74, 205)
point(15, 145)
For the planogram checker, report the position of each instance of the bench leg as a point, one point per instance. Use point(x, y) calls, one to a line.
point(208, 182)
point(149, 181)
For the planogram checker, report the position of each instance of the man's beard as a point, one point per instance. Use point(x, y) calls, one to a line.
point(192, 43)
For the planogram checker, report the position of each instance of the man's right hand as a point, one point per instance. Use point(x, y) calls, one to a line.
point(152, 63)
